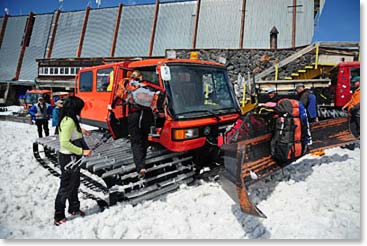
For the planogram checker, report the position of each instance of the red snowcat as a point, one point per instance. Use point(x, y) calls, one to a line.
point(200, 109)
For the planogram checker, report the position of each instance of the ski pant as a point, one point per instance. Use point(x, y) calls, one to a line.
point(69, 185)
point(139, 123)
point(42, 123)
point(355, 118)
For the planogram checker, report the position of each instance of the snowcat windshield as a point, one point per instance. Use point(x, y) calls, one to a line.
point(196, 91)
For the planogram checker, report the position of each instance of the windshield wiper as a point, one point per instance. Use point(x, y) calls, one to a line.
point(201, 111)
point(221, 109)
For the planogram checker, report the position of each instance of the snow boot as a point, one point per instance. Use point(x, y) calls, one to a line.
point(77, 213)
point(60, 222)
point(142, 173)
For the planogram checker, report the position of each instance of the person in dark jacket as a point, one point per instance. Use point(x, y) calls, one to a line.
point(308, 99)
point(72, 147)
point(41, 113)
point(272, 95)
point(140, 119)
point(271, 100)
point(56, 114)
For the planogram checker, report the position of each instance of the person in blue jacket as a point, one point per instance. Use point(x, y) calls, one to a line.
point(56, 114)
point(41, 113)
point(308, 99)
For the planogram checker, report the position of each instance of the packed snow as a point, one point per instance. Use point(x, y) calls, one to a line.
point(315, 198)
point(12, 110)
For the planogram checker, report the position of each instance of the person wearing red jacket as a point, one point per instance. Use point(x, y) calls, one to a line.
point(353, 106)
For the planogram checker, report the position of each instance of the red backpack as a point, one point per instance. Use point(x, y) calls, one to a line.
point(286, 144)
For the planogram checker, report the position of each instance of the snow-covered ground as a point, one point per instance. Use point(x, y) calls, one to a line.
point(317, 198)
point(10, 110)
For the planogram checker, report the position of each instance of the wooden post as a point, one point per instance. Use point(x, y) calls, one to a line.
point(3, 28)
point(242, 23)
point(274, 38)
point(116, 33)
point(294, 20)
point(154, 25)
point(196, 24)
point(82, 34)
point(53, 34)
point(26, 39)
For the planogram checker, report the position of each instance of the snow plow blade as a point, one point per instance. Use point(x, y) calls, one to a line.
point(250, 160)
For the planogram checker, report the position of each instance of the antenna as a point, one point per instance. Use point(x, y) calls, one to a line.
point(6, 10)
point(61, 4)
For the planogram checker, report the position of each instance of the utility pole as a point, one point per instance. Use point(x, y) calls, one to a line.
point(294, 21)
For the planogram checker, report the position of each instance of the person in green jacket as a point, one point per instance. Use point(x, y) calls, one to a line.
point(72, 146)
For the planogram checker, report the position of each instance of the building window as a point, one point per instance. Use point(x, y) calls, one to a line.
point(86, 81)
point(67, 71)
point(61, 69)
point(56, 70)
point(105, 79)
point(72, 71)
point(45, 70)
point(51, 70)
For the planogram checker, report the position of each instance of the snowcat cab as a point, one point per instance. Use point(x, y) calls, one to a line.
point(200, 102)
point(341, 77)
point(199, 105)
point(31, 97)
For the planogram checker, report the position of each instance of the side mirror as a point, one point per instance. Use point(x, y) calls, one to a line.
point(165, 73)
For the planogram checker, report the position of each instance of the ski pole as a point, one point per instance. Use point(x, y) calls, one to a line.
point(73, 164)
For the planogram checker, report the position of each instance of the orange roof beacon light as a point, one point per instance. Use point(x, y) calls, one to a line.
point(194, 55)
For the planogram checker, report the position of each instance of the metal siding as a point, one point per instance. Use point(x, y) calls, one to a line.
point(11, 46)
point(99, 33)
point(261, 16)
point(134, 31)
point(68, 34)
point(305, 22)
point(219, 24)
point(36, 48)
point(175, 27)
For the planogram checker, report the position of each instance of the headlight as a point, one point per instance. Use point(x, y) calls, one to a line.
point(183, 134)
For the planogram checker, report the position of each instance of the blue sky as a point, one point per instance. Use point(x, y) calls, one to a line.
point(340, 20)
point(23, 7)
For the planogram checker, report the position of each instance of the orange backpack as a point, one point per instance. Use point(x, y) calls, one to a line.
point(286, 144)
